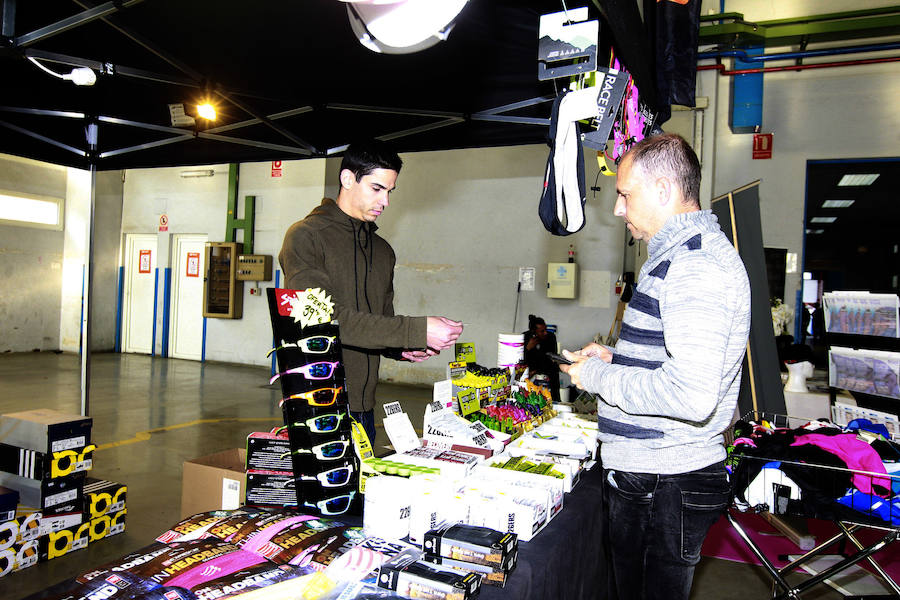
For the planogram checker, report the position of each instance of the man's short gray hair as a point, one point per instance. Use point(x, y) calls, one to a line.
point(669, 155)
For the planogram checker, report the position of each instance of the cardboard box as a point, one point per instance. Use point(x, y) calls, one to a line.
point(45, 430)
point(213, 482)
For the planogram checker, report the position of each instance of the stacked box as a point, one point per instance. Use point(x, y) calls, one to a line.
point(486, 552)
point(104, 508)
point(44, 456)
point(19, 542)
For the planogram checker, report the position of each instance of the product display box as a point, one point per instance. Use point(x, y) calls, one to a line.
point(551, 486)
point(50, 496)
point(503, 507)
point(475, 545)
point(213, 482)
point(413, 579)
point(271, 488)
point(106, 525)
point(18, 556)
point(37, 465)
point(265, 452)
point(489, 575)
point(449, 462)
point(103, 497)
point(9, 499)
point(59, 543)
point(45, 430)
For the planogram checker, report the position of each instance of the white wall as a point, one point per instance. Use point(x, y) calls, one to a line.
point(30, 262)
point(833, 113)
point(199, 205)
point(462, 222)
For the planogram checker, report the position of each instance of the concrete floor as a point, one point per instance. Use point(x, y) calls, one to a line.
point(152, 414)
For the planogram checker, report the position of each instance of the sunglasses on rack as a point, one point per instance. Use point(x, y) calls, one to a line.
point(333, 506)
point(317, 370)
point(325, 451)
point(319, 424)
point(331, 478)
point(314, 344)
point(320, 397)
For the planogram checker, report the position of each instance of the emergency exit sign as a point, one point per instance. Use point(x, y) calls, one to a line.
point(762, 145)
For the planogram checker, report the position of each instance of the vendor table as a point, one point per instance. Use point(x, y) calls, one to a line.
point(566, 559)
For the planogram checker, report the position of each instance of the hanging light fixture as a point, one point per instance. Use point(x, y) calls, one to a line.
point(402, 26)
point(79, 75)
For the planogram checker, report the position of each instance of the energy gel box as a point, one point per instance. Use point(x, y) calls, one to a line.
point(473, 544)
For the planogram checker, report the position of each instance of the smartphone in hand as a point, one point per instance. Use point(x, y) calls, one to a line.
point(558, 358)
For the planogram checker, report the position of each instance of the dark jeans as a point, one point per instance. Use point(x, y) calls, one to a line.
point(656, 525)
point(367, 420)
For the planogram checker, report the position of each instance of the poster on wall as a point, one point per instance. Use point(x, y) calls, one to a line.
point(144, 261)
point(193, 264)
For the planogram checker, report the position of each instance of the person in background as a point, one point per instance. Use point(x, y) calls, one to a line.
point(538, 342)
point(336, 248)
point(668, 390)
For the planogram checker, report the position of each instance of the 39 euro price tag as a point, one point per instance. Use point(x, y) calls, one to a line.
point(311, 307)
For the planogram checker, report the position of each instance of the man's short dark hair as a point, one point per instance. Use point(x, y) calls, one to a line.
point(361, 158)
point(669, 155)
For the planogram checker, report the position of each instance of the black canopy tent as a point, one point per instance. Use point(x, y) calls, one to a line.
point(288, 80)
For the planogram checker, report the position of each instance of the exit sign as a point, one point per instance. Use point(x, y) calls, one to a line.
point(762, 145)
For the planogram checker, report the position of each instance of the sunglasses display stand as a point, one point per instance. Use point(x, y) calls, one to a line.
point(315, 409)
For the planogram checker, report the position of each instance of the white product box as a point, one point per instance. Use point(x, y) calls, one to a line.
point(553, 487)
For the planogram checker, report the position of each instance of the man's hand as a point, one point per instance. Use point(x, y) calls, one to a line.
point(442, 332)
point(578, 359)
point(417, 355)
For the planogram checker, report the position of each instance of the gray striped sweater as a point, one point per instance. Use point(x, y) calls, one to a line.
point(671, 389)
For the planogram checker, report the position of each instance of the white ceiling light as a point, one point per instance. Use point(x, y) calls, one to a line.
point(78, 75)
point(823, 220)
point(198, 173)
point(402, 26)
point(814, 231)
point(858, 179)
point(837, 203)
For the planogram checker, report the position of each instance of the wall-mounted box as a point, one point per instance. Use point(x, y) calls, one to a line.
point(561, 280)
point(254, 267)
point(223, 293)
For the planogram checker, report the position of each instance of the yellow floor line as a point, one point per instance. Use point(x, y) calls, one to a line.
point(143, 436)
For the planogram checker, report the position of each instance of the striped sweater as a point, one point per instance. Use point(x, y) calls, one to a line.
point(672, 386)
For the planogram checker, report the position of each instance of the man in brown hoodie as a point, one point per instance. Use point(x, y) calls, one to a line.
point(335, 248)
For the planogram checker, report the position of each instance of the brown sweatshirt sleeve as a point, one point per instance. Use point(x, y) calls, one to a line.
point(302, 259)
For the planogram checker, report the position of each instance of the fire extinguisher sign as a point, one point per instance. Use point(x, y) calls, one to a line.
point(762, 146)
point(276, 168)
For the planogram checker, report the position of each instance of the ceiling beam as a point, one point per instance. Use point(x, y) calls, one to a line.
point(82, 18)
point(8, 19)
point(43, 138)
point(219, 90)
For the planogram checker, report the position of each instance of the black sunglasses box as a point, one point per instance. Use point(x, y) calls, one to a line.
point(265, 452)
